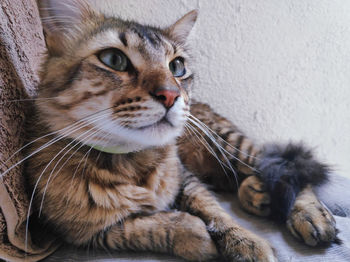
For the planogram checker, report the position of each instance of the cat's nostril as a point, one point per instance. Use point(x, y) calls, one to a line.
point(167, 97)
point(161, 98)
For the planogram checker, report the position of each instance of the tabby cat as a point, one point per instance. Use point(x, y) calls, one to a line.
point(119, 152)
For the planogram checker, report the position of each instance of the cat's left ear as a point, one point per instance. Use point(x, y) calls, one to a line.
point(182, 28)
point(63, 20)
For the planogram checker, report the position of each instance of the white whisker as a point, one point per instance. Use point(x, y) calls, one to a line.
point(71, 130)
point(208, 147)
point(39, 178)
point(80, 141)
point(223, 140)
point(219, 146)
point(27, 100)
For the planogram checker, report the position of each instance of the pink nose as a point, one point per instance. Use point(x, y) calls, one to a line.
point(167, 97)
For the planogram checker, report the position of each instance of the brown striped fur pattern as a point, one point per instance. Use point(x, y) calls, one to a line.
point(147, 197)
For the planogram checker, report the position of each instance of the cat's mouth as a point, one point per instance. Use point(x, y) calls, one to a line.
point(162, 122)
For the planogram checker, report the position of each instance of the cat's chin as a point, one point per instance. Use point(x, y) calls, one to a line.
point(160, 134)
point(163, 132)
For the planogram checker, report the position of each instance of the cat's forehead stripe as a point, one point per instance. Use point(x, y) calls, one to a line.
point(147, 43)
point(123, 39)
point(147, 35)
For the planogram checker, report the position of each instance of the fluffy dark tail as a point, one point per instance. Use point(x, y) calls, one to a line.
point(286, 170)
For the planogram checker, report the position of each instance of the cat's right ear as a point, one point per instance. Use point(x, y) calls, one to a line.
point(62, 20)
point(182, 28)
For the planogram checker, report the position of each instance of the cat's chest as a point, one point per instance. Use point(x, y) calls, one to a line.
point(138, 189)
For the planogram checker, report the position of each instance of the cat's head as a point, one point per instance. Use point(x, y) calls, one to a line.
point(114, 82)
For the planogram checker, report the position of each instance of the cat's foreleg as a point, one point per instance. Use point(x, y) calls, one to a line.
point(283, 189)
point(234, 242)
point(309, 220)
point(177, 233)
point(270, 192)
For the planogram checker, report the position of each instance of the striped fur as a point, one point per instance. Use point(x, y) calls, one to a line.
point(151, 197)
point(240, 151)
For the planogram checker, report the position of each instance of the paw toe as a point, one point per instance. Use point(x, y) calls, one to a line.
point(253, 197)
point(241, 245)
point(313, 224)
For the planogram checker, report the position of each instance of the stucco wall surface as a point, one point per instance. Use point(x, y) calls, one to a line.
point(280, 69)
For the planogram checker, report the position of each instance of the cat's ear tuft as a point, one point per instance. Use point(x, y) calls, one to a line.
point(182, 28)
point(62, 20)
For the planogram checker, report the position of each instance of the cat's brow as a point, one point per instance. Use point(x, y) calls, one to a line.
point(123, 39)
point(147, 34)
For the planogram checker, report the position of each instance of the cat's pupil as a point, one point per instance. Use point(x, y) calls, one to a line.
point(116, 60)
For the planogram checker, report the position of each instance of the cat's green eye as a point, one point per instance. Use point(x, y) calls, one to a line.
point(177, 67)
point(114, 58)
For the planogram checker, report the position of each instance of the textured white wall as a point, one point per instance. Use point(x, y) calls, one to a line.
point(279, 69)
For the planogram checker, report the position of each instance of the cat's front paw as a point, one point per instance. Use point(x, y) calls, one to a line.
point(312, 223)
point(192, 240)
point(237, 244)
point(253, 197)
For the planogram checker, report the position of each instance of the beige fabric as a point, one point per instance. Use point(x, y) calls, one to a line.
point(21, 43)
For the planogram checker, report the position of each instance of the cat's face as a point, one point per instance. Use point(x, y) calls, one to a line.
point(117, 83)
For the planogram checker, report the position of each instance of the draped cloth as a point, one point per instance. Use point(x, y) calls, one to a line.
point(21, 45)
